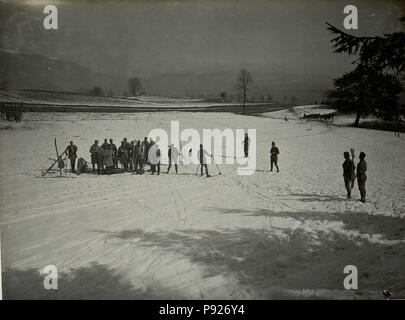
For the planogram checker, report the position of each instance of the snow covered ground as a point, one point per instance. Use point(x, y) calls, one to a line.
point(264, 236)
point(36, 98)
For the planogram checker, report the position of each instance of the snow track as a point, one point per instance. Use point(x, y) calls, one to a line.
point(269, 235)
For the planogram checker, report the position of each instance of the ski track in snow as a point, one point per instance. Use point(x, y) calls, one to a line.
point(268, 235)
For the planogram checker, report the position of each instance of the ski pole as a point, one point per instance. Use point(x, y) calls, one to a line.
point(219, 171)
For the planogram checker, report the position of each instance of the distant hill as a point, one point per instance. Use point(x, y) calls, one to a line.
point(37, 72)
point(34, 71)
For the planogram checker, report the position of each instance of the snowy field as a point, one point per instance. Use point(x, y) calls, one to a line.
point(56, 100)
point(264, 236)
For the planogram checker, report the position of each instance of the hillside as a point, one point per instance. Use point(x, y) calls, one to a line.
point(34, 71)
point(37, 72)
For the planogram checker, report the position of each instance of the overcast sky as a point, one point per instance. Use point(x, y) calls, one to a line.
point(148, 37)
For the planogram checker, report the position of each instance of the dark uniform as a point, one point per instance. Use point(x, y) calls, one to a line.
point(246, 143)
point(138, 157)
point(72, 155)
point(362, 177)
point(348, 174)
point(131, 156)
point(202, 156)
point(274, 152)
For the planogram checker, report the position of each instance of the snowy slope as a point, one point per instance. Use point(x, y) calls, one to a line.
point(286, 235)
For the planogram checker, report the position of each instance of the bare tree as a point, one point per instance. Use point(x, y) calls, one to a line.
point(134, 86)
point(244, 81)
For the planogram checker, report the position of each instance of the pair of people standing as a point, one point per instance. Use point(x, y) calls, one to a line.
point(350, 174)
point(274, 152)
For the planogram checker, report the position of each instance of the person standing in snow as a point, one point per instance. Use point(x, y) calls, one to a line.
point(173, 155)
point(361, 176)
point(154, 157)
point(105, 144)
point(274, 152)
point(138, 157)
point(109, 164)
point(72, 154)
point(94, 151)
point(114, 150)
point(202, 156)
point(123, 155)
point(145, 149)
point(131, 155)
point(348, 173)
point(246, 144)
point(102, 155)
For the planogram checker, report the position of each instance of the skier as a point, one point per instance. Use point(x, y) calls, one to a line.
point(246, 144)
point(361, 176)
point(72, 154)
point(274, 152)
point(94, 151)
point(348, 173)
point(173, 155)
point(202, 156)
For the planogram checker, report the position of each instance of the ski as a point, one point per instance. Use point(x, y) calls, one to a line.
point(58, 160)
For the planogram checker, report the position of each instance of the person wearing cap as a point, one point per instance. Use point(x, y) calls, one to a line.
point(361, 176)
point(274, 152)
point(348, 173)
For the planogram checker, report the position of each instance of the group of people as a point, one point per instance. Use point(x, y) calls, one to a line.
point(11, 112)
point(133, 156)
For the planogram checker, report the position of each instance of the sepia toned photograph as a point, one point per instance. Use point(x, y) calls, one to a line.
point(202, 150)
